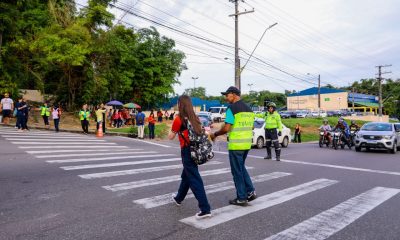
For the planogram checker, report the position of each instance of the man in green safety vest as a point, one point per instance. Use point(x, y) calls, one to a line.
point(45, 113)
point(273, 129)
point(84, 115)
point(239, 126)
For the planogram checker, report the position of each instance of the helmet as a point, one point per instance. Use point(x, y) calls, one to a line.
point(271, 104)
point(353, 122)
point(325, 120)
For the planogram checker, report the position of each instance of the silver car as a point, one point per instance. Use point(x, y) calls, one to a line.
point(378, 135)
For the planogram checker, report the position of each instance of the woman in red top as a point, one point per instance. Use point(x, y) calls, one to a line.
point(190, 175)
point(152, 122)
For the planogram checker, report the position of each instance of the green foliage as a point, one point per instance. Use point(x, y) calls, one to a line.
point(199, 92)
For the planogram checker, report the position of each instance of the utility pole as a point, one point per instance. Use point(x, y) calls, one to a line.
point(194, 82)
point(250, 85)
point(380, 87)
point(319, 94)
point(353, 98)
point(237, 59)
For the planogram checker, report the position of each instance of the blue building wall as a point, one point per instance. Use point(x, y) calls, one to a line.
point(195, 101)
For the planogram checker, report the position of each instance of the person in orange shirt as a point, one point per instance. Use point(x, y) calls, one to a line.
point(152, 123)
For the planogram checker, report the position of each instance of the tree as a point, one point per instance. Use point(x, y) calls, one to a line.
point(199, 92)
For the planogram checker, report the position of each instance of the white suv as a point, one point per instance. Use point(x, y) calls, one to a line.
point(259, 134)
point(218, 114)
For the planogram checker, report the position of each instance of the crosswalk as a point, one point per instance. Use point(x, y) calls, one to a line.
point(78, 154)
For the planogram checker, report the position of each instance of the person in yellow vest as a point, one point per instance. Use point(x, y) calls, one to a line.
point(45, 113)
point(101, 113)
point(273, 129)
point(239, 123)
point(84, 116)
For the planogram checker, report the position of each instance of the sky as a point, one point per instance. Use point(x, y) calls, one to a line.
point(342, 41)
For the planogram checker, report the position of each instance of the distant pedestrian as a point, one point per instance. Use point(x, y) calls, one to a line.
point(297, 133)
point(7, 107)
point(84, 116)
point(190, 174)
point(159, 116)
point(26, 113)
point(45, 113)
point(56, 115)
point(171, 116)
point(20, 107)
point(100, 118)
point(140, 117)
point(152, 123)
point(166, 114)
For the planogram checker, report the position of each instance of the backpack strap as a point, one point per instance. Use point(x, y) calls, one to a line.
point(183, 128)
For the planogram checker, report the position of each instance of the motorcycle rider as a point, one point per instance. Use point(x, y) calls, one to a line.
point(327, 129)
point(273, 129)
point(342, 125)
point(353, 126)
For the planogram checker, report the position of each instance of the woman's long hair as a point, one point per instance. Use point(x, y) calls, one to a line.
point(186, 111)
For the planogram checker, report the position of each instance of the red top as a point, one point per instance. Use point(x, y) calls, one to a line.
point(176, 128)
point(151, 119)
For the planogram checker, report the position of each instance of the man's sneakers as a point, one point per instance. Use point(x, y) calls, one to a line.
point(278, 158)
point(175, 201)
point(268, 157)
point(201, 215)
point(238, 202)
point(251, 196)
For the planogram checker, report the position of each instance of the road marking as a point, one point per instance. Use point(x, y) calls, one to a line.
point(65, 143)
point(231, 212)
point(107, 158)
point(331, 221)
point(130, 151)
point(135, 171)
point(104, 165)
point(164, 199)
point(37, 134)
point(152, 143)
point(75, 147)
point(156, 181)
point(48, 137)
point(334, 166)
point(79, 150)
point(45, 140)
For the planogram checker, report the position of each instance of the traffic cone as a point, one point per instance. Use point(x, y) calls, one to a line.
point(100, 131)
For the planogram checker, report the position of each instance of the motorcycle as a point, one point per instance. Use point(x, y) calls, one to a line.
point(353, 137)
point(338, 139)
point(323, 138)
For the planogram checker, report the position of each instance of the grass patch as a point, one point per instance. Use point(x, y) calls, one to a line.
point(160, 131)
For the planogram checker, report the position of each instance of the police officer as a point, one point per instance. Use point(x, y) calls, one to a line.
point(84, 115)
point(239, 126)
point(273, 129)
point(45, 113)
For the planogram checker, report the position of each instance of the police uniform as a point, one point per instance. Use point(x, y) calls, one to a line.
point(84, 117)
point(45, 113)
point(273, 125)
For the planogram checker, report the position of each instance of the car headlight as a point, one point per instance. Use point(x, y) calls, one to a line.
point(359, 135)
point(388, 137)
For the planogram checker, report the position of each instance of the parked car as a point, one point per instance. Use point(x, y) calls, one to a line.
point(335, 113)
point(206, 124)
point(205, 115)
point(218, 113)
point(293, 114)
point(317, 114)
point(259, 134)
point(378, 135)
point(285, 114)
point(302, 114)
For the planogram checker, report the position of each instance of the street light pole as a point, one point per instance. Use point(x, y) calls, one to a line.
point(194, 82)
point(250, 85)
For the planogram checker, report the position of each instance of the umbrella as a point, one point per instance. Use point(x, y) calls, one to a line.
point(114, 103)
point(131, 105)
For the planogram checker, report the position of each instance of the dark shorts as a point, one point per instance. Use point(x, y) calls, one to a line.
point(6, 112)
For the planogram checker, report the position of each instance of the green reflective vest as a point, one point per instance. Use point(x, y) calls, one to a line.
point(241, 134)
point(84, 115)
point(45, 111)
point(273, 121)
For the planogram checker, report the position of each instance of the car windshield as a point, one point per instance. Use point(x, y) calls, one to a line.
point(202, 115)
point(204, 122)
point(377, 127)
point(258, 123)
point(214, 110)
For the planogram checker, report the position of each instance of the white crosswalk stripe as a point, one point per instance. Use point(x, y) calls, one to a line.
point(78, 150)
point(47, 137)
point(54, 140)
point(160, 200)
point(156, 181)
point(64, 143)
point(228, 213)
point(327, 223)
point(71, 147)
point(107, 158)
point(135, 171)
point(119, 164)
point(131, 151)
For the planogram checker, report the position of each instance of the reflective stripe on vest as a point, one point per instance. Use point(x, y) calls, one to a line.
point(45, 111)
point(241, 134)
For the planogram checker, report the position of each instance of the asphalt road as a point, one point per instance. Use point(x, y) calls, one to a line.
point(73, 186)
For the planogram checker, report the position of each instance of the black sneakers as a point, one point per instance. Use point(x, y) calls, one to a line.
point(268, 157)
point(201, 215)
point(238, 202)
point(251, 196)
point(175, 201)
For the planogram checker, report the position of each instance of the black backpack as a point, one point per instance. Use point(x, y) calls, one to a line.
point(141, 119)
point(200, 146)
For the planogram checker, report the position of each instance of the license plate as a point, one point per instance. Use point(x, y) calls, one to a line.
point(371, 142)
